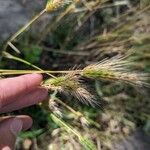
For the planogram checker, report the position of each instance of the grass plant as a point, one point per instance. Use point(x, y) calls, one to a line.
point(109, 64)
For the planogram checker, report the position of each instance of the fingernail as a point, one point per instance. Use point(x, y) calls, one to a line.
point(16, 126)
point(6, 148)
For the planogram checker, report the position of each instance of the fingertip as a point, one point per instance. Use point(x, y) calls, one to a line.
point(34, 77)
point(19, 85)
point(9, 128)
point(27, 122)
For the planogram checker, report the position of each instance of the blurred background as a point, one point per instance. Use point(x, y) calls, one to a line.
point(79, 34)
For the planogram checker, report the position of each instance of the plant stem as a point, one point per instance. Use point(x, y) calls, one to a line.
point(78, 114)
point(9, 56)
point(13, 47)
point(69, 108)
point(15, 72)
point(27, 25)
point(24, 28)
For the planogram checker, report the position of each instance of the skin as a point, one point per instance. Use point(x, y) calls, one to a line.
point(17, 93)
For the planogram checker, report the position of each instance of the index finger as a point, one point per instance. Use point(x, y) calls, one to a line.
point(12, 87)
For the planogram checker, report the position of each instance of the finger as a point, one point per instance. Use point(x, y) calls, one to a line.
point(27, 120)
point(34, 97)
point(12, 87)
point(10, 127)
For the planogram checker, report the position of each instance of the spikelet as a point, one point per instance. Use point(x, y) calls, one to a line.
point(53, 106)
point(62, 83)
point(69, 84)
point(84, 122)
point(55, 4)
point(115, 68)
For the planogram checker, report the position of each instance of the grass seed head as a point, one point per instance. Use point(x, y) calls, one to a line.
point(55, 4)
point(53, 106)
point(70, 85)
point(85, 97)
point(62, 83)
point(115, 68)
point(84, 122)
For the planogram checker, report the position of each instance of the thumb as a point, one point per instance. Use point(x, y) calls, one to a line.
point(10, 127)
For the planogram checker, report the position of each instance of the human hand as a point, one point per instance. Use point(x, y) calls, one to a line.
point(17, 93)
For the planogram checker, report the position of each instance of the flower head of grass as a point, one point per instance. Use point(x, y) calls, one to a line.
point(70, 84)
point(53, 106)
point(55, 4)
point(115, 69)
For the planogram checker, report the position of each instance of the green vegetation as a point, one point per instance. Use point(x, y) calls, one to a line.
point(96, 52)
